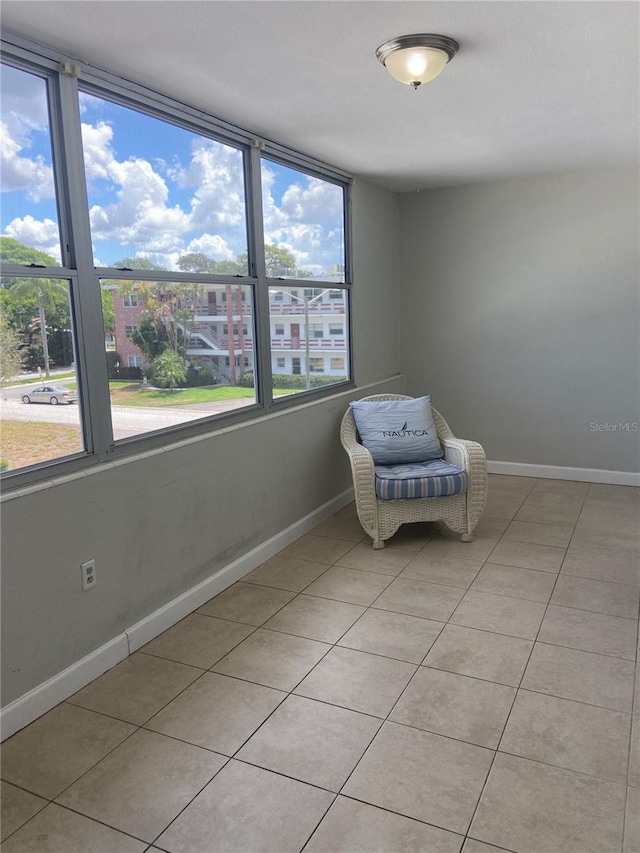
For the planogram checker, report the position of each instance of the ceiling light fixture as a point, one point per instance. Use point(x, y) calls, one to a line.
point(418, 58)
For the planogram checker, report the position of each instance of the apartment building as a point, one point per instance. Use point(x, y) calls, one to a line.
point(308, 331)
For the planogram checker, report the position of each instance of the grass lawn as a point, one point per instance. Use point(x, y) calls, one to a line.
point(132, 394)
point(58, 379)
point(27, 443)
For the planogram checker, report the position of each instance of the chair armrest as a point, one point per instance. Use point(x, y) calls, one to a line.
point(364, 480)
point(471, 456)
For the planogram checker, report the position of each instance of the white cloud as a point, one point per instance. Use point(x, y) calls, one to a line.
point(39, 234)
point(33, 176)
point(148, 205)
point(96, 144)
point(307, 222)
point(216, 171)
point(213, 245)
point(133, 202)
point(141, 217)
point(319, 201)
point(24, 103)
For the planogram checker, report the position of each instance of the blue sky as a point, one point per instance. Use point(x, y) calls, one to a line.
point(155, 190)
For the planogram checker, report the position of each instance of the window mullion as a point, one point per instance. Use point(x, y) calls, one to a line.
point(262, 375)
point(87, 303)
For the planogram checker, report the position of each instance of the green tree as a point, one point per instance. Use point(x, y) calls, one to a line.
point(197, 262)
point(46, 293)
point(237, 267)
point(278, 260)
point(44, 290)
point(150, 337)
point(14, 252)
point(10, 356)
point(112, 286)
point(169, 370)
point(136, 264)
point(108, 310)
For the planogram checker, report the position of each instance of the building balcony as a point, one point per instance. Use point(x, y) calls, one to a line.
point(315, 344)
point(284, 309)
point(207, 312)
point(278, 344)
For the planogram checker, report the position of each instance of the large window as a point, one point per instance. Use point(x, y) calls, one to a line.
point(160, 196)
point(312, 320)
point(29, 209)
point(303, 224)
point(141, 275)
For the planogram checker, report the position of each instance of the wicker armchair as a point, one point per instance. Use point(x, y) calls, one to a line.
point(382, 518)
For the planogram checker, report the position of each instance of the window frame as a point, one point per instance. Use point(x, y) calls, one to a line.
point(66, 77)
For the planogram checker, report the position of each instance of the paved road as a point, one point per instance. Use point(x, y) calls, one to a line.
point(127, 421)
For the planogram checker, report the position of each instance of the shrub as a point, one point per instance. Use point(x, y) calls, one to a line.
point(169, 370)
point(32, 358)
point(113, 359)
point(129, 373)
point(4, 465)
point(296, 382)
point(246, 380)
point(60, 347)
point(299, 381)
point(197, 378)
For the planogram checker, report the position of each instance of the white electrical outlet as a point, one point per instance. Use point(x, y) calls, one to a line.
point(88, 570)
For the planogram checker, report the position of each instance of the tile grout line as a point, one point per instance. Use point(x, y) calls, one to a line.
point(547, 603)
point(383, 720)
point(333, 646)
point(287, 694)
point(197, 794)
point(371, 607)
point(630, 750)
point(409, 682)
point(506, 723)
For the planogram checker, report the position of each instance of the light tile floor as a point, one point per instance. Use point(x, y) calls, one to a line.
point(434, 696)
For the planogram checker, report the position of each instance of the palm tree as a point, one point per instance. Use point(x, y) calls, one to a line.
point(44, 290)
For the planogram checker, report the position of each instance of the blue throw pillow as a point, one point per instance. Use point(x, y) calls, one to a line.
point(397, 431)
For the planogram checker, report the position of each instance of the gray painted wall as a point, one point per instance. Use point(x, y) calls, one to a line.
point(160, 525)
point(520, 306)
point(376, 239)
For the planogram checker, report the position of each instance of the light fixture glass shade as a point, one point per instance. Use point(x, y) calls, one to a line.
point(417, 59)
point(416, 64)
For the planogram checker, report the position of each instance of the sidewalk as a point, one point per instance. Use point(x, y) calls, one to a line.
point(35, 375)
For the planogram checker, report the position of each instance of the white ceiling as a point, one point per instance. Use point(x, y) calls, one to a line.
point(536, 86)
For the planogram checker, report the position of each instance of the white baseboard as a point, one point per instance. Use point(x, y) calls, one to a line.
point(50, 693)
point(558, 472)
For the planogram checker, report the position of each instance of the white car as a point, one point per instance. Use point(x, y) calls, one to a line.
point(52, 394)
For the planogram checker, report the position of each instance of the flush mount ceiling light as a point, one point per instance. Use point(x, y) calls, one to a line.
point(418, 58)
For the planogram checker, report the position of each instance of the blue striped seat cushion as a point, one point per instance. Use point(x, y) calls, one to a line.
point(433, 479)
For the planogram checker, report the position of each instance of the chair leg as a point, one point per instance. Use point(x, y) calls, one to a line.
point(378, 544)
point(466, 537)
